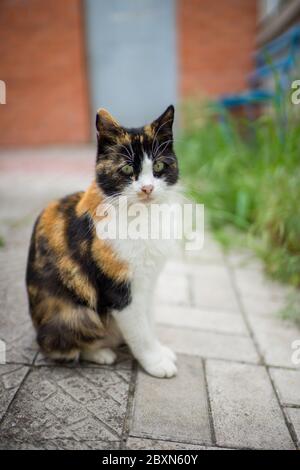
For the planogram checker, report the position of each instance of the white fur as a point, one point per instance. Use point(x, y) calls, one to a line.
point(146, 259)
point(99, 356)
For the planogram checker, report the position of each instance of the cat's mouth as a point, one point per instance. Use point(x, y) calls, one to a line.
point(146, 198)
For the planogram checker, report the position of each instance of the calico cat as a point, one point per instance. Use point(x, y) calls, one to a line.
point(86, 294)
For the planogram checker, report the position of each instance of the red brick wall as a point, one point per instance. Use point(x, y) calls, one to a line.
point(42, 63)
point(216, 39)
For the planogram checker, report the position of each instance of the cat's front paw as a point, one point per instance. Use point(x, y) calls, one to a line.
point(160, 364)
point(169, 352)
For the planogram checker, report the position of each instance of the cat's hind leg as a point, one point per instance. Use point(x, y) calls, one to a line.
point(99, 356)
point(64, 329)
point(102, 351)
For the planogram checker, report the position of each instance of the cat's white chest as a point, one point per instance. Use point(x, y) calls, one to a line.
point(144, 251)
point(142, 255)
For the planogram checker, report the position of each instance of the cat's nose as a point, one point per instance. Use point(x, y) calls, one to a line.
point(147, 188)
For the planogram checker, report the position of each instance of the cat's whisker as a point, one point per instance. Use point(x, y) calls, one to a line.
point(166, 142)
point(157, 131)
point(130, 155)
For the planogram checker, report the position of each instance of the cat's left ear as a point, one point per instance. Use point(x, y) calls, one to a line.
point(108, 128)
point(163, 125)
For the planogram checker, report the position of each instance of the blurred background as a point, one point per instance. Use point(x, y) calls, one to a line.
point(61, 60)
point(227, 65)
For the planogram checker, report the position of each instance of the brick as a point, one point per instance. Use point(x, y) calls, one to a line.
point(191, 317)
point(37, 50)
point(287, 383)
point(215, 36)
point(168, 409)
point(245, 410)
point(275, 337)
point(208, 344)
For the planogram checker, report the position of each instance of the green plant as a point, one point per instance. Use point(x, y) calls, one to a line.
point(248, 180)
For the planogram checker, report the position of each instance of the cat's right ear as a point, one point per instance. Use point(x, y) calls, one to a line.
point(108, 128)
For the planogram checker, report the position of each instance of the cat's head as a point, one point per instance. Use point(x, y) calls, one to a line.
point(139, 163)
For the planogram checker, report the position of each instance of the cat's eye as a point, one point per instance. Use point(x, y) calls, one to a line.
point(158, 167)
point(127, 170)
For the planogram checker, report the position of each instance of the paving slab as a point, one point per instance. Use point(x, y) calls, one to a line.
point(212, 288)
point(287, 383)
point(173, 409)
point(58, 444)
point(245, 410)
point(194, 317)
point(211, 252)
point(83, 406)
point(294, 418)
point(254, 283)
point(209, 344)
point(15, 324)
point(63, 404)
point(244, 259)
point(263, 307)
point(275, 338)
point(11, 377)
point(134, 443)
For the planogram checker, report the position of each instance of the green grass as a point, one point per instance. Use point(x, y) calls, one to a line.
point(249, 183)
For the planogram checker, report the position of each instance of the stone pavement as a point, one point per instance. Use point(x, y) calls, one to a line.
point(237, 386)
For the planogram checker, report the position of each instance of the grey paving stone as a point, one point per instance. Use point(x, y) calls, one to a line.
point(210, 253)
point(212, 288)
point(238, 258)
point(293, 415)
point(11, 377)
point(63, 403)
point(275, 337)
point(58, 444)
point(193, 317)
point(172, 288)
point(135, 443)
point(208, 344)
point(265, 307)
point(287, 383)
point(15, 324)
point(174, 409)
point(245, 410)
point(253, 283)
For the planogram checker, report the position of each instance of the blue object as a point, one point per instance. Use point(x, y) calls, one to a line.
point(278, 58)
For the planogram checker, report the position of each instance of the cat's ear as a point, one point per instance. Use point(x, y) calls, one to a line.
point(108, 128)
point(163, 125)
